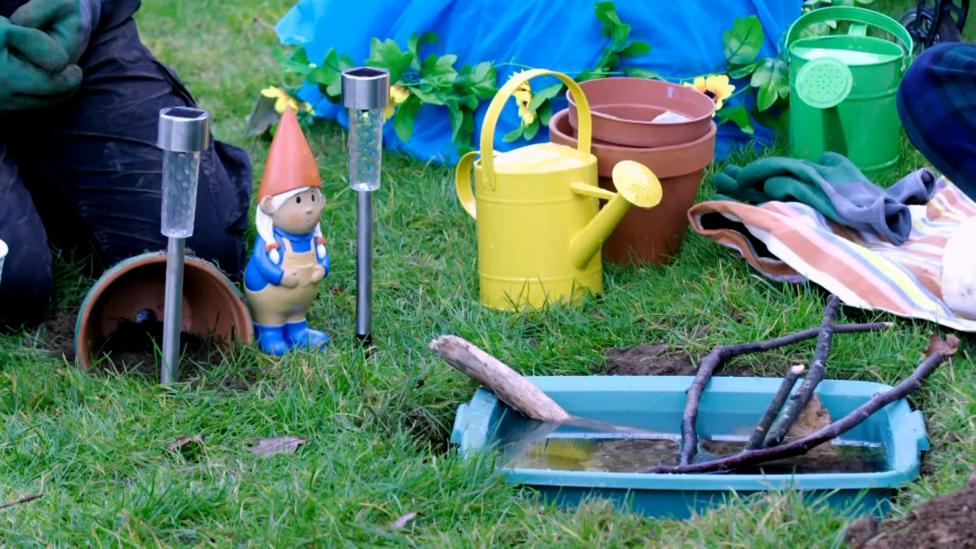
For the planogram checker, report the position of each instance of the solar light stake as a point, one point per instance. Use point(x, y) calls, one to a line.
point(365, 92)
point(184, 133)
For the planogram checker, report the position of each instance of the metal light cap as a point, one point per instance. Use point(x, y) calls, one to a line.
point(365, 88)
point(183, 129)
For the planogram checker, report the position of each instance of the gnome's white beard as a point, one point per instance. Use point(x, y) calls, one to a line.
point(265, 225)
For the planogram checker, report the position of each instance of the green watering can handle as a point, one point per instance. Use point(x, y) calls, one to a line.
point(864, 17)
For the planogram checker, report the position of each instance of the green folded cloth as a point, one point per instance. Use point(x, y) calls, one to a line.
point(833, 186)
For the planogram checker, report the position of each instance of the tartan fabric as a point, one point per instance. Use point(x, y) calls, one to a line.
point(937, 106)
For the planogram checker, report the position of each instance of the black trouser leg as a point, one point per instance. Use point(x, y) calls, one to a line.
point(25, 282)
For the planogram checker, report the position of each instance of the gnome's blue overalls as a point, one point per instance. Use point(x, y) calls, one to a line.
point(279, 312)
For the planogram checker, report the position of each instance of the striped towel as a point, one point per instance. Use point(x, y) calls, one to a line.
point(790, 241)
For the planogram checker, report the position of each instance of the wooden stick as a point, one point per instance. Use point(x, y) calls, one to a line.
point(938, 353)
point(719, 355)
point(803, 395)
point(510, 386)
point(759, 434)
point(24, 499)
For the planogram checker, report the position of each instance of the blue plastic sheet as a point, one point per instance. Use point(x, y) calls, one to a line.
point(564, 35)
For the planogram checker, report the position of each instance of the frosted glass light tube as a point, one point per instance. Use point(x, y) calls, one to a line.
point(365, 148)
point(181, 171)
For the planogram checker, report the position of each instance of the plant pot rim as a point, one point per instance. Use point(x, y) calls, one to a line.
point(556, 118)
point(624, 80)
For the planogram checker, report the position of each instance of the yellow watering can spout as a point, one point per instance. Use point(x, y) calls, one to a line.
point(636, 185)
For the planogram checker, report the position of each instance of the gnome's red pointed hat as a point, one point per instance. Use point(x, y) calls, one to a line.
point(291, 164)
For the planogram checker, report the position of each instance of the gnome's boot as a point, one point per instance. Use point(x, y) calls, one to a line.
point(300, 335)
point(271, 339)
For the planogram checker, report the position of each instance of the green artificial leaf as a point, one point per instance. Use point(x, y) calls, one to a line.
point(387, 54)
point(771, 79)
point(532, 129)
point(514, 134)
point(635, 48)
point(425, 96)
point(296, 63)
point(328, 75)
point(404, 117)
point(742, 71)
point(606, 13)
point(612, 61)
point(741, 43)
point(438, 71)
point(544, 95)
point(544, 113)
point(619, 35)
point(639, 72)
point(415, 43)
point(766, 98)
point(481, 80)
point(739, 116)
point(457, 119)
point(584, 75)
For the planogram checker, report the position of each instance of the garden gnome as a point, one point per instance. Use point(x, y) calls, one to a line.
point(289, 257)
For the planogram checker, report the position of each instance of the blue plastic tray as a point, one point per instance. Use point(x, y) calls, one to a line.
point(729, 405)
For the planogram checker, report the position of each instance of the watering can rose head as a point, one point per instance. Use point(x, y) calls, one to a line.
point(289, 258)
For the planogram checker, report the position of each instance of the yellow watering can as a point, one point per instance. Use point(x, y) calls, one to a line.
point(539, 222)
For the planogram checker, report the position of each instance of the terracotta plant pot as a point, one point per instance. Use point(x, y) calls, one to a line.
point(652, 235)
point(212, 306)
point(623, 109)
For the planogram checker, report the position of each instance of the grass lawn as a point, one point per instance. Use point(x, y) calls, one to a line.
point(95, 444)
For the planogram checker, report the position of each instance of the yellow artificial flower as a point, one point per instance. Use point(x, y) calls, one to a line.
point(716, 86)
point(398, 94)
point(523, 97)
point(283, 100)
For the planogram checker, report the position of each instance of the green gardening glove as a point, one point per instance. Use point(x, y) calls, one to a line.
point(34, 69)
point(60, 19)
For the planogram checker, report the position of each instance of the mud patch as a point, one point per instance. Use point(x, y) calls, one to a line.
point(652, 359)
point(59, 333)
point(134, 347)
point(946, 521)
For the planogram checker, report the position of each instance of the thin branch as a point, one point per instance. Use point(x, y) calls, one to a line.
point(802, 396)
point(759, 434)
point(24, 499)
point(719, 355)
point(942, 350)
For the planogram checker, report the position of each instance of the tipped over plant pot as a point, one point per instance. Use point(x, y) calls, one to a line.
point(130, 295)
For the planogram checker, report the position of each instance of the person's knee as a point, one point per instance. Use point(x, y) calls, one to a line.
point(26, 285)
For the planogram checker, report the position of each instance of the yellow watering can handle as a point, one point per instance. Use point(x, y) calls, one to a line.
point(462, 183)
point(498, 103)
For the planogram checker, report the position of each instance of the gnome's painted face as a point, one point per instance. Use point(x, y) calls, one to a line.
point(299, 214)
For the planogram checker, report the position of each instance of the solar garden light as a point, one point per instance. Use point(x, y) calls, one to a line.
point(184, 133)
point(365, 92)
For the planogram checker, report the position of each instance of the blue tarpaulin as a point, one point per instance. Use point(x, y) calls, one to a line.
point(563, 35)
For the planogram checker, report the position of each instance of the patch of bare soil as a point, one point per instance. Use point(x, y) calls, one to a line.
point(134, 347)
point(946, 521)
point(652, 359)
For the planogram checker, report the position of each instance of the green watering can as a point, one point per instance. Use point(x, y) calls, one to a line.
point(843, 87)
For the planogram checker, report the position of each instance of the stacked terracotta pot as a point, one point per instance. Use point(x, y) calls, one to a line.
point(668, 128)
